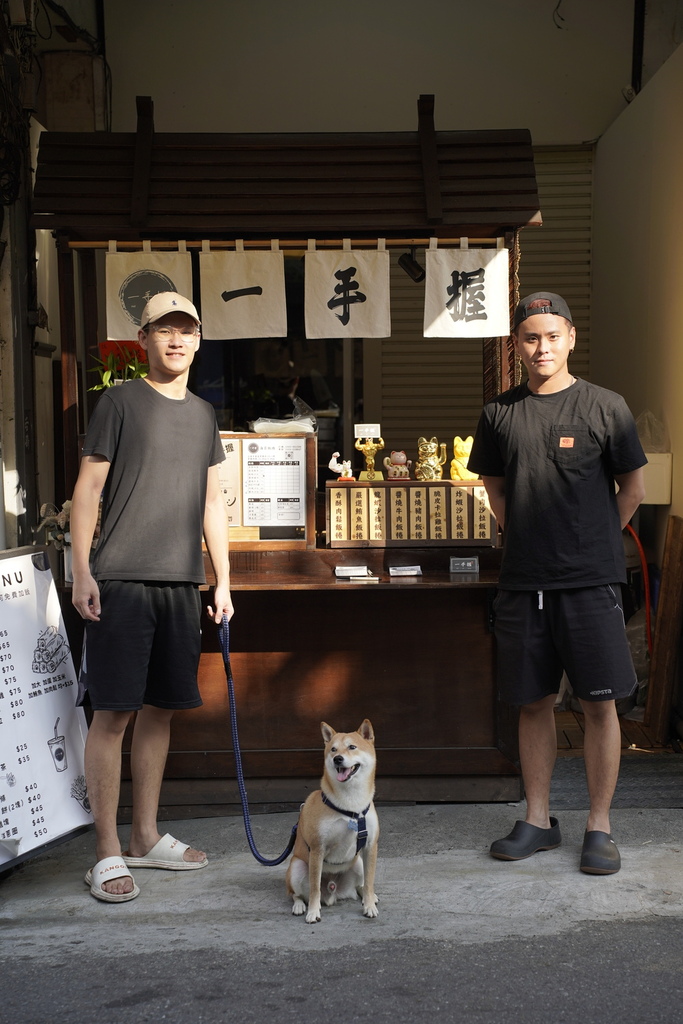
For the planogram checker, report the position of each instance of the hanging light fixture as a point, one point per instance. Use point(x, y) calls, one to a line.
point(412, 268)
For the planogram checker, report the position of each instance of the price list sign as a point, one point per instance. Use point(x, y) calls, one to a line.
point(274, 481)
point(42, 733)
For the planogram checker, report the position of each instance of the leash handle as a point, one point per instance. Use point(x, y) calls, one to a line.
point(224, 639)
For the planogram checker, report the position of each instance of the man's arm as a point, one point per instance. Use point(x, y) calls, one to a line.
point(495, 488)
point(216, 537)
point(630, 494)
point(85, 594)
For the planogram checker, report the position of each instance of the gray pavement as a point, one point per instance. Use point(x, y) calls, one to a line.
point(459, 934)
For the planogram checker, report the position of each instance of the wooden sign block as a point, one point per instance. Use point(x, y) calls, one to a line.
point(419, 513)
point(377, 514)
point(483, 520)
point(358, 513)
point(399, 513)
point(438, 522)
point(338, 498)
point(460, 513)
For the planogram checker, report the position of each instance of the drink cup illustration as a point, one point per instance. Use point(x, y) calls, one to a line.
point(58, 750)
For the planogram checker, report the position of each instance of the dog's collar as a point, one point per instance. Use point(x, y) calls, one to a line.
point(358, 819)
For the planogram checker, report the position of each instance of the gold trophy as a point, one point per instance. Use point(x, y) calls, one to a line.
point(369, 447)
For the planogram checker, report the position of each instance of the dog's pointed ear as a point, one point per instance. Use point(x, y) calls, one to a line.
point(327, 731)
point(366, 730)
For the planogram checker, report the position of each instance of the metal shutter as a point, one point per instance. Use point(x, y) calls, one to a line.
point(415, 386)
point(557, 256)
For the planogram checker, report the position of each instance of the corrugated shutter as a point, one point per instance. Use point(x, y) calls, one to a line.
point(557, 256)
point(415, 386)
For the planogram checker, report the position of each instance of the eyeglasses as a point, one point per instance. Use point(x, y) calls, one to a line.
point(166, 332)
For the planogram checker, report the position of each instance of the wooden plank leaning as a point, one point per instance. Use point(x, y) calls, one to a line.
point(661, 686)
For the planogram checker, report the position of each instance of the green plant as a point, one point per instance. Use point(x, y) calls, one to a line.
point(117, 367)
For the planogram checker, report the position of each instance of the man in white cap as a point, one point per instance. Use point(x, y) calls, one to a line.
point(562, 465)
point(151, 452)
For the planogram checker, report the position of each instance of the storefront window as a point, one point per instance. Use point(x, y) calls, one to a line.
point(254, 378)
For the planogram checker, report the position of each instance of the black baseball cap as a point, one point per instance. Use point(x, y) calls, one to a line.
point(543, 302)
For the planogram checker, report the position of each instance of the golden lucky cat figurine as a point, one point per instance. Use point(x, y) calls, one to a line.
point(430, 458)
point(462, 449)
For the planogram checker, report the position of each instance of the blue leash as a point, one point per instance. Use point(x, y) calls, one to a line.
point(224, 638)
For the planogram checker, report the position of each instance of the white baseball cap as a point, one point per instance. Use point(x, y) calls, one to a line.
point(167, 302)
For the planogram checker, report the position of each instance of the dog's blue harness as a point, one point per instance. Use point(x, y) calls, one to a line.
point(357, 822)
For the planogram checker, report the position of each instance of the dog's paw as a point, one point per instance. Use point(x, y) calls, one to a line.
point(299, 908)
point(370, 910)
point(312, 917)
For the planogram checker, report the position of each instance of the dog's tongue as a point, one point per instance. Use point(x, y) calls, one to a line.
point(342, 776)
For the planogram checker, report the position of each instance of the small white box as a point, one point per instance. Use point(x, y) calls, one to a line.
point(658, 478)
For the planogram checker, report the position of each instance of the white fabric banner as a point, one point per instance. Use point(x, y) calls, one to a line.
point(347, 294)
point(466, 293)
point(133, 278)
point(243, 295)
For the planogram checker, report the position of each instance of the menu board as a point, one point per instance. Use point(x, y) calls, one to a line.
point(274, 481)
point(42, 733)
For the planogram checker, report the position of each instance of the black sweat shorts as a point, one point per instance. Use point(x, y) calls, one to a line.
point(145, 648)
point(540, 634)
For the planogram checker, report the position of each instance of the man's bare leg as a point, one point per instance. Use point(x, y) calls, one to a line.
point(149, 750)
point(602, 755)
point(103, 779)
point(537, 754)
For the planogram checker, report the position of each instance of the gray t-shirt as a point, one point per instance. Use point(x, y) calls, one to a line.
point(154, 498)
point(559, 454)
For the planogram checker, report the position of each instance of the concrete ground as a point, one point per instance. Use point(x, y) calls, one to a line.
point(459, 935)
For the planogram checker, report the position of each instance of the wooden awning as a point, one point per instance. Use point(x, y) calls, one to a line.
point(129, 186)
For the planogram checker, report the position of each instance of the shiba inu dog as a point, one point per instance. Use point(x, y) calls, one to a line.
point(335, 852)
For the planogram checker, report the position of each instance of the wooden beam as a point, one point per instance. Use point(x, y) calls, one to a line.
point(69, 364)
point(142, 164)
point(430, 160)
point(660, 691)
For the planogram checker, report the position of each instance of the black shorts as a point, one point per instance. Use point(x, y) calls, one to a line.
point(540, 634)
point(145, 648)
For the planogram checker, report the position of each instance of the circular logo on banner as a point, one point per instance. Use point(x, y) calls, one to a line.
point(138, 289)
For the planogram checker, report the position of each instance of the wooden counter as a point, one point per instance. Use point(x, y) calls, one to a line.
point(413, 654)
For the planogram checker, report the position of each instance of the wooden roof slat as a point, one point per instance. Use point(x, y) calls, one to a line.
point(74, 152)
point(485, 223)
point(222, 189)
point(378, 207)
point(289, 140)
point(63, 176)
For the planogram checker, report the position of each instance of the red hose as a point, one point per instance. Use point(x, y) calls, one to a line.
point(646, 585)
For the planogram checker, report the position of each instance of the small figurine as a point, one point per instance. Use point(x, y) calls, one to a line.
point(461, 453)
point(430, 458)
point(397, 466)
point(343, 468)
point(369, 448)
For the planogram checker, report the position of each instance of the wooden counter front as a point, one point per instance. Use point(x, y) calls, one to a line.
point(413, 654)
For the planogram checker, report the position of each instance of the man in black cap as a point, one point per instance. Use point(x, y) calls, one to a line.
point(550, 452)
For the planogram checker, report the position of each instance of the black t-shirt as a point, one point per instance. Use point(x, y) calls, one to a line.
point(154, 498)
point(559, 454)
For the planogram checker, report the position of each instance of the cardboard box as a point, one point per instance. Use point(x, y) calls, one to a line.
point(658, 478)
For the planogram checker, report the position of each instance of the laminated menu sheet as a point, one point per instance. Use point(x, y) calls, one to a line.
point(274, 481)
point(43, 798)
